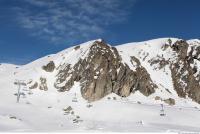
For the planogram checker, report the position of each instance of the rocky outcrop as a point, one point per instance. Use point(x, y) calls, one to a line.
point(76, 47)
point(185, 76)
point(143, 81)
point(170, 101)
point(183, 66)
point(184, 80)
point(64, 76)
point(43, 84)
point(35, 85)
point(103, 72)
point(49, 67)
point(160, 61)
point(158, 98)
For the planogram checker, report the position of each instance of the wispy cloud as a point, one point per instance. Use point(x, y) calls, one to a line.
point(61, 21)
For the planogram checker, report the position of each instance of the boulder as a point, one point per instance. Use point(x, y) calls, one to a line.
point(49, 67)
point(170, 101)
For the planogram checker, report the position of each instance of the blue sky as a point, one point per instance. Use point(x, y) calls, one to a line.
point(30, 29)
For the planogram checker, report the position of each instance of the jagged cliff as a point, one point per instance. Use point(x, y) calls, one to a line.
point(102, 72)
point(168, 68)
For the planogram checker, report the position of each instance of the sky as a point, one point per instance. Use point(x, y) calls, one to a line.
point(30, 29)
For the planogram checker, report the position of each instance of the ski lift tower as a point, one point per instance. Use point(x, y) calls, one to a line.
point(20, 83)
point(162, 111)
point(74, 98)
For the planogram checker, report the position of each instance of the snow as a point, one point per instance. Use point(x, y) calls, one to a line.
point(95, 77)
point(72, 56)
point(43, 111)
point(146, 51)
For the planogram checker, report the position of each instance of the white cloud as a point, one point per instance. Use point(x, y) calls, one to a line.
point(59, 21)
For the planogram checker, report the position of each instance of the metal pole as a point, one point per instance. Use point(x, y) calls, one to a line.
point(18, 94)
point(162, 107)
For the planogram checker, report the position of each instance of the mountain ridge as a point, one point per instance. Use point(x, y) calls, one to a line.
point(151, 60)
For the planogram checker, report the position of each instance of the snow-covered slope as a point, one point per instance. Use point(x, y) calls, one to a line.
point(145, 52)
point(44, 108)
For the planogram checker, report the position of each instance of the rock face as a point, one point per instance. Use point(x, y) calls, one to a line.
point(170, 101)
point(143, 82)
point(35, 85)
point(49, 67)
point(103, 72)
point(102, 69)
point(183, 70)
point(43, 84)
point(185, 77)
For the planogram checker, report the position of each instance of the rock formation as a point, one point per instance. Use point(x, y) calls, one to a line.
point(102, 73)
point(100, 69)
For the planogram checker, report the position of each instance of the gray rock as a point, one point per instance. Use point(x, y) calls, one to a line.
point(49, 67)
point(43, 84)
point(170, 101)
point(35, 85)
point(99, 77)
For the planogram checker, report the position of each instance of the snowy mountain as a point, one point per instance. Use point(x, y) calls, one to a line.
point(98, 87)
